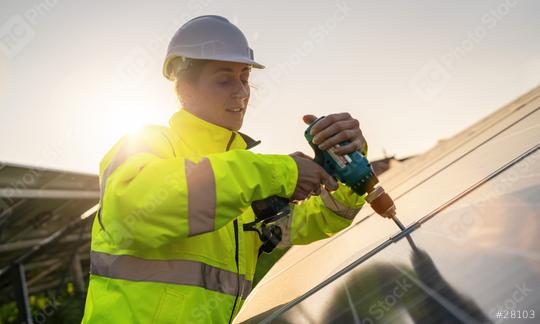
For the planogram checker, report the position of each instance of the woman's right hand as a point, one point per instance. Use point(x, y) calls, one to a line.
point(310, 177)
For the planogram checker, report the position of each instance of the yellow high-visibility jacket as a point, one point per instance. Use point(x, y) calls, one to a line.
point(168, 244)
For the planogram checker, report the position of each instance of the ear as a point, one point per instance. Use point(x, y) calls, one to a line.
point(184, 92)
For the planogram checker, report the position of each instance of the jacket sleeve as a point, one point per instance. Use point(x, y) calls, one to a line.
point(153, 196)
point(320, 217)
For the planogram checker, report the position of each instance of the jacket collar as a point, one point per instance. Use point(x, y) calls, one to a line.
point(205, 137)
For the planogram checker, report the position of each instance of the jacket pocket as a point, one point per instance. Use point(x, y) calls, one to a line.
point(170, 307)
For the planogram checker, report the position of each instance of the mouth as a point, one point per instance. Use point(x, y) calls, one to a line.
point(235, 110)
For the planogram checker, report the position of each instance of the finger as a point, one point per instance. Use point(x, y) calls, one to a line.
point(317, 190)
point(308, 119)
point(331, 188)
point(346, 135)
point(299, 195)
point(302, 195)
point(327, 121)
point(328, 181)
point(349, 148)
point(304, 190)
point(307, 187)
point(334, 129)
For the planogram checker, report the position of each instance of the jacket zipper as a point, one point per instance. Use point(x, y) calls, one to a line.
point(237, 269)
point(235, 223)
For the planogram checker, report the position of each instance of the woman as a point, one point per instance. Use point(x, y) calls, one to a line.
point(168, 245)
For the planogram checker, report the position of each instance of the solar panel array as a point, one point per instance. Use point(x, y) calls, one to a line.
point(41, 226)
point(471, 206)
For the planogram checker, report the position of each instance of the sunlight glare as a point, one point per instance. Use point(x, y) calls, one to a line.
point(128, 115)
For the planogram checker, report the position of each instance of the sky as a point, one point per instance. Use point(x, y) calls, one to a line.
point(77, 75)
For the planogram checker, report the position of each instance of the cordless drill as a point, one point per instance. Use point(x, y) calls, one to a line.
point(352, 169)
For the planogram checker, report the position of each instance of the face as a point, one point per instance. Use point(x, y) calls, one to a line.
point(220, 95)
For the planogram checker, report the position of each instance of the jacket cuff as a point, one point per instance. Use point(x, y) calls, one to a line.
point(347, 197)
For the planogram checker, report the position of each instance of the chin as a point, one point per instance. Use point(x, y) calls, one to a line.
point(234, 126)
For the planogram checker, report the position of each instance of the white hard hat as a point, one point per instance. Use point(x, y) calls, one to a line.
point(209, 38)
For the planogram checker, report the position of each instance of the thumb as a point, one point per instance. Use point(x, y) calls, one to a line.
point(308, 119)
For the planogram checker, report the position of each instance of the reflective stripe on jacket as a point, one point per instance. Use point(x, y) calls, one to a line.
point(167, 241)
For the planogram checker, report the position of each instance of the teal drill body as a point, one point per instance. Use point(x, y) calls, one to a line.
point(352, 169)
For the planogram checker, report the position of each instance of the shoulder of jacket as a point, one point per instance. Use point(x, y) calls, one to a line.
point(154, 139)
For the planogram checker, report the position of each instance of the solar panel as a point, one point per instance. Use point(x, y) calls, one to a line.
point(420, 187)
point(41, 226)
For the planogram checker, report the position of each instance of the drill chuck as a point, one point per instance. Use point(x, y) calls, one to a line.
point(381, 202)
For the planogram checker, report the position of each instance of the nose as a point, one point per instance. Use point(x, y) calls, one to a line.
point(242, 92)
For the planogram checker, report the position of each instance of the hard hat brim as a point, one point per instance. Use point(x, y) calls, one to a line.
point(252, 63)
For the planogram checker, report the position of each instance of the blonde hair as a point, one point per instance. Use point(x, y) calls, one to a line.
point(185, 70)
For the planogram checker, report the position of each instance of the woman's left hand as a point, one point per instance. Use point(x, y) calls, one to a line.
point(336, 128)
